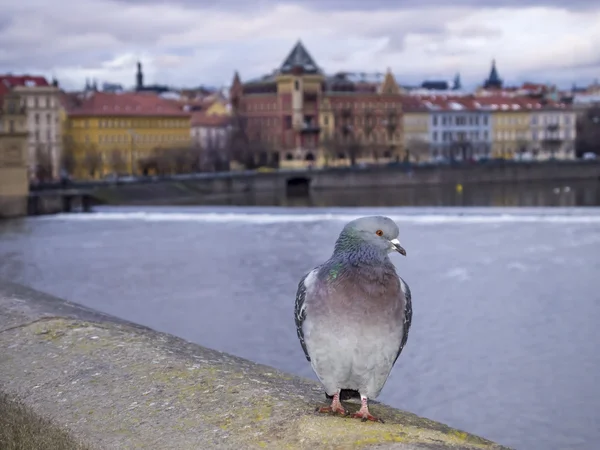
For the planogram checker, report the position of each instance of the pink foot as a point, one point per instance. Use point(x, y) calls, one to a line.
point(364, 414)
point(336, 406)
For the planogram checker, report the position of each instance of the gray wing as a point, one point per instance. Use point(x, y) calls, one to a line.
point(300, 313)
point(407, 318)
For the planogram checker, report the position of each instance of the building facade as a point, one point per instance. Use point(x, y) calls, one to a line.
point(459, 129)
point(43, 121)
point(14, 179)
point(302, 117)
point(119, 133)
point(553, 131)
point(416, 119)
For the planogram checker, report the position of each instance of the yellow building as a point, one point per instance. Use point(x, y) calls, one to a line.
point(14, 182)
point(218, 108)
point(123, 133)
point(416, 130)
point(510, 130)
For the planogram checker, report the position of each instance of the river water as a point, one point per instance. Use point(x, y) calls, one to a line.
point(505, 334)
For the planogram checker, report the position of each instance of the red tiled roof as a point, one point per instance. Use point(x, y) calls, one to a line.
point(201, 119)
point(125, 104)
point(7, 82)
point(492, 103)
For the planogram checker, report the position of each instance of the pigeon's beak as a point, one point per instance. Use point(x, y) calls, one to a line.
point(396, 246)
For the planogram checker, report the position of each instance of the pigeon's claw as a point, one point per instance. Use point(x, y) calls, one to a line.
point(364, 414)
point(335, 408)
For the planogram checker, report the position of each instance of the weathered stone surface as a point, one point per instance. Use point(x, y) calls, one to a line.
point(117, 385)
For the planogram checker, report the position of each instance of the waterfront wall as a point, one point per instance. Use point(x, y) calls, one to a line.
point(208, 186)
point(109, 384)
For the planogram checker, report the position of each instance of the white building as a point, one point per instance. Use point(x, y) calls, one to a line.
point(458, 129)
point(553, 132)
point(211, 132)
point(42, 104)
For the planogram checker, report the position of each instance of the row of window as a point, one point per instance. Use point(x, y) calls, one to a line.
point(37, 136)
point(132, 123)
point(555, 119)
point(272, 106)
point(37, 119)
point(141, 138)
point(41, 101)
point(475, 120)
point(449, 136)
point(471, 119)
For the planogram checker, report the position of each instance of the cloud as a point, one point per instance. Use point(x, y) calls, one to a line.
point(188, 42)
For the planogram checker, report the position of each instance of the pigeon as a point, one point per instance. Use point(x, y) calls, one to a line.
point(353, 314)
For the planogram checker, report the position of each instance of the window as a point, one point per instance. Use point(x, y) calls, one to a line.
point(36, 118)
point(435, 121)
point(37, 135)
point(288, 122)
point(11, 126)
point(296, 85)
point(48, 119)
point(435, 136)
point(49, 135)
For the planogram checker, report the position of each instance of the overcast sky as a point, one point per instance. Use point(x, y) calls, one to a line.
point(193, 42)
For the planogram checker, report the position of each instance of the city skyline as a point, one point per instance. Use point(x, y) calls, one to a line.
point(186, 44)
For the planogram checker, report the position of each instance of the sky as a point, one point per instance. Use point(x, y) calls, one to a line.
point(193, 42)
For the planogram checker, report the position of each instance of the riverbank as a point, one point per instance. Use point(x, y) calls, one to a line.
point(111, 384)
point(276, 187)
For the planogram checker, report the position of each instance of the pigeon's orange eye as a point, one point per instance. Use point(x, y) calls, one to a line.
point(379, 233)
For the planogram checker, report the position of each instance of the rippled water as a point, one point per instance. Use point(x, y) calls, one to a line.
point(505, 334)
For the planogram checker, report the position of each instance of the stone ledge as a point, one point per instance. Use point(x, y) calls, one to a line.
point(112, 384)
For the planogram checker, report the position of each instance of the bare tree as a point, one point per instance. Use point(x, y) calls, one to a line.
point(391, 126)
point(588, 131)
point(92, 161)
point(68, 161)
point(328, 147)
point(196, 158)
point(181, 158)
point(368, 126)
point(418, 148)
point(345, 119)
point(43, 163)
point(117, 161)
point(355, 149)
point(160, 161)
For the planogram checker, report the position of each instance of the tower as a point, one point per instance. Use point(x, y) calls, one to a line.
point(494, 81)
point(457, 85)
point(139, 77)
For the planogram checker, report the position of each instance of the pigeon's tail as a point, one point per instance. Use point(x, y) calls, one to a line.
point(345, 394)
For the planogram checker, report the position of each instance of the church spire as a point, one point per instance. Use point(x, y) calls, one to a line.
point(494, 81)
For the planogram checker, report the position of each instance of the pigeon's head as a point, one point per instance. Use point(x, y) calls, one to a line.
point(378, 231)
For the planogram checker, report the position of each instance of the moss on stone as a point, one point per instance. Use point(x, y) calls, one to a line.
point(120, 386)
